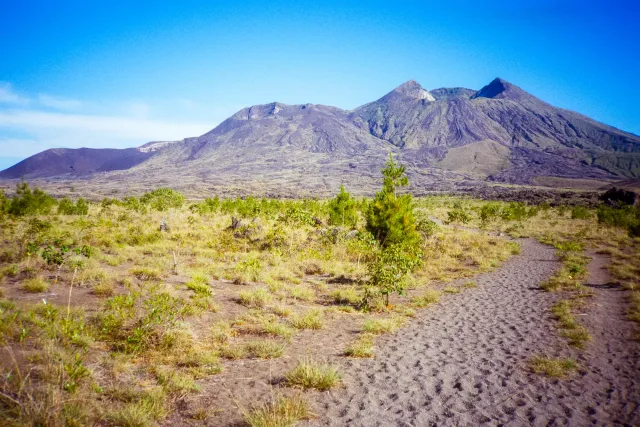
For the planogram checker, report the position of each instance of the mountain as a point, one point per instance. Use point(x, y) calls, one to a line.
point(449, 138)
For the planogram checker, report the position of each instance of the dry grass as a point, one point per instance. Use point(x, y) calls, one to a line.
point(35, 285)
point(282, 411)
point(553, 368)
point(311, 374)
point(362, 348)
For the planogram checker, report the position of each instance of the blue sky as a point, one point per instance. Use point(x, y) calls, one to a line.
point(117, 74)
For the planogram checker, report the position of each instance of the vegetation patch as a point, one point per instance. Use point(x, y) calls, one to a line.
point(553, 368)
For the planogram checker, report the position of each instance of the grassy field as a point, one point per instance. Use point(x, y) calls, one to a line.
point(117, 315)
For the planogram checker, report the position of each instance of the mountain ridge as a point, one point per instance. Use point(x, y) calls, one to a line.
point(446, 136)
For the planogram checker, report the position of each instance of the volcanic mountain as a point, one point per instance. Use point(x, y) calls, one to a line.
point(448, 138)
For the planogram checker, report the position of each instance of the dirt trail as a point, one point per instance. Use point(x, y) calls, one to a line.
point(465, 360)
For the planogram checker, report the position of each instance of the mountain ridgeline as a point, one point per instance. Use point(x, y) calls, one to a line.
point(449, 138)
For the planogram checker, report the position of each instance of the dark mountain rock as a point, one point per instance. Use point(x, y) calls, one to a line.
point(75, 162)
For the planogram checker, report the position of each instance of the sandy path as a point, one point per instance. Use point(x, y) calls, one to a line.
point(464, 361)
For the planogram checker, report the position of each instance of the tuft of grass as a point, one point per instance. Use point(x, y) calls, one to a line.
point(281, 310)
point(199, 287)
point(278, 329)
point(470, 285)
point(300, 292)
point(256, 298)
point(312, 319)
point(309, 374)
point(349, 296)
point(382, 326)
point(427, 298)
point(577, 337)
point(146, 273)
point(576, 334)
point(264, 349)
point(553, 368)
point(105, 289)
point(451, 290)
point(35, 285)
point(280, 412)
point(362, 348)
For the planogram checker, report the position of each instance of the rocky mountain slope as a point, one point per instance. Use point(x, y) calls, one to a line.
point(448, 137)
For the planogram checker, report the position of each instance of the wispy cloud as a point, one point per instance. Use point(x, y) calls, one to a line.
point(59, 103)
point(8, 96)
point(49, 129)
point(30, 124)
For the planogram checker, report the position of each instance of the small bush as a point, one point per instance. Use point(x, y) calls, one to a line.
point(67, 207)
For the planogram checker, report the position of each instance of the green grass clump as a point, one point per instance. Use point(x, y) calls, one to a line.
point(264, 349)
point(427, 298)
point(255, 298)
point(451, 290)
point(145, 273)
point(362, 348)
point(278, 329)
point(302, 293)
point(309, 374)
point(576, 334)
point(281, 412)
point(382, 326)
point(349, 296)
point(35, 285)
point(554, 368)
point(312, 319)
point(200, 285)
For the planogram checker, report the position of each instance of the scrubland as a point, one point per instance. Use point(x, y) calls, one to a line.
point(116, 313)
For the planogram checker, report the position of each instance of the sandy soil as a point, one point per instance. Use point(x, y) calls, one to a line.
point(465, 361)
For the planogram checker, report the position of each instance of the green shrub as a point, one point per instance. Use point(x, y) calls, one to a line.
point(580, 212)
point(392, 264)
point(390, 216)
point(458, 215)
point(162, 199)
point(30, 202)
point(342, 210)
point(67, 207)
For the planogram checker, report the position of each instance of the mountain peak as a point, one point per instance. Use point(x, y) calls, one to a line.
point(501, 89)
point(412, 89)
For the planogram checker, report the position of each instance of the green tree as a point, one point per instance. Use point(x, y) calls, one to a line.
point(390, 217)
point(391, 221)
point(343, 210)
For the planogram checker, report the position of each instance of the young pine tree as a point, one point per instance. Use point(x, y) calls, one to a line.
point(343, 209)
point(391, 221)
point(390, 216)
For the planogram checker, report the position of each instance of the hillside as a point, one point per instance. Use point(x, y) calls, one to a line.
point(448, 137)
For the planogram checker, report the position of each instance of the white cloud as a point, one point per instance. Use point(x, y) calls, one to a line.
point(30, 124)
point(59, 103)
point(48, 129)
point(8, 96)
